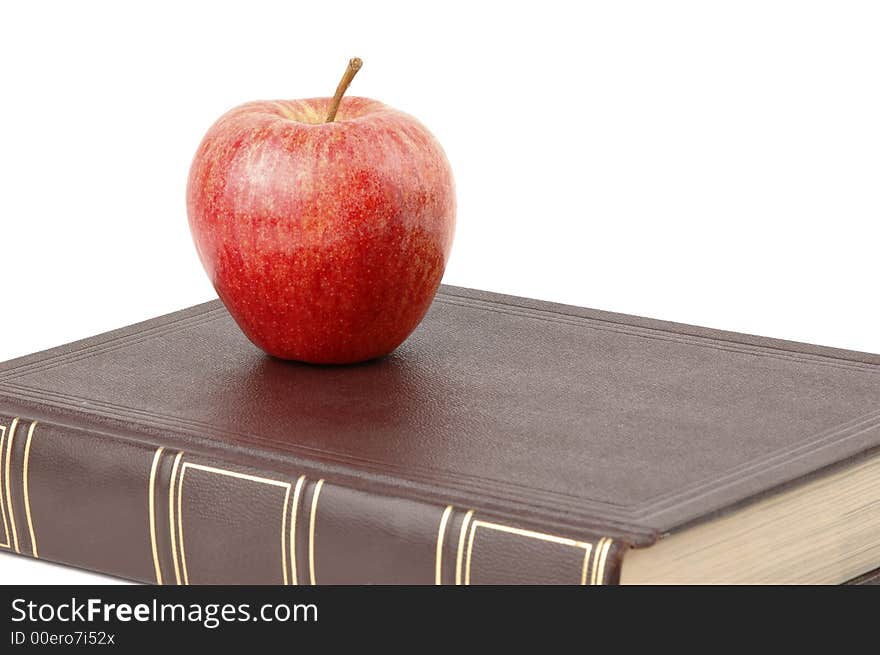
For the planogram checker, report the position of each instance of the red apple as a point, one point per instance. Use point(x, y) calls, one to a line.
point(325, 240)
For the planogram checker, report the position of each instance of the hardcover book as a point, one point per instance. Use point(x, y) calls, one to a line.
point(507, 440)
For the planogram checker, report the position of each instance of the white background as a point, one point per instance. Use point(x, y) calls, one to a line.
point(715, 163)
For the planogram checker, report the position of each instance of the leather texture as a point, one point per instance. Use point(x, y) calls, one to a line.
point(507, 440)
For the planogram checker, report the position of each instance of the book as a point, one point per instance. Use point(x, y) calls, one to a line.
point(507, 441)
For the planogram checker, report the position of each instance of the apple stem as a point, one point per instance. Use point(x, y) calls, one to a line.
point(354, 65)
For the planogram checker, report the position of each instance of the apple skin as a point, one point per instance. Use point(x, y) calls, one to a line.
point(325, 241)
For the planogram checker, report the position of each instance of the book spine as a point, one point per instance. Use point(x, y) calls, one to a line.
point(157, 514)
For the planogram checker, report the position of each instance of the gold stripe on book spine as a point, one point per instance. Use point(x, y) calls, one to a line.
point(25, 488)
point(297, 492)
point(585, 567)
point(2, 497)
point(312, 531)
point(171, 525)
point(156, 457)
point(8, 486)
point(601, 554)
point(600, 577)
point(595, 567)
point(284, 577)
point(461, 540)
point(441, 535)
point(180, 528)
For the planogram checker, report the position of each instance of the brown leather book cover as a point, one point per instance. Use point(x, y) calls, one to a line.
point(507, 441)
